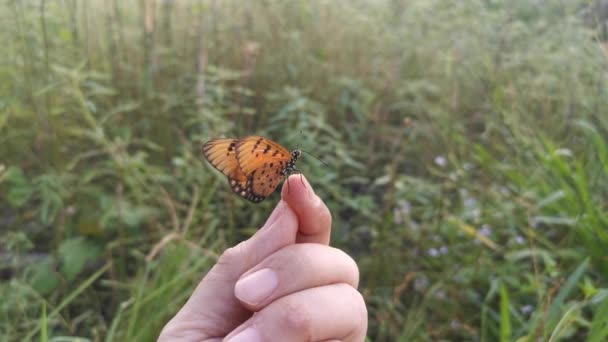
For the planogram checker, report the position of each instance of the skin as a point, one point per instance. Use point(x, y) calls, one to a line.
point(283, 284)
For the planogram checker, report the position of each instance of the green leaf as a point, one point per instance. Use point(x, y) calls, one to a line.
point(505, 319)
point(565, 291)
point(599, 325)
point(136, 215)
point(561, 329)
point(75, 253)
point(20, 190)
point(3, 116)
point(43, 277)
point(126, 213)
point(51, 189)
point(69, 299)
point(43, 324)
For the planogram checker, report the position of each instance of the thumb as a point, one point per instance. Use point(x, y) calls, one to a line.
point(212, 310)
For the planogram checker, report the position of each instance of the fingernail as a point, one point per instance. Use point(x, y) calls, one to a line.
point(256, 287)
point(248, 335)
point(276, 213)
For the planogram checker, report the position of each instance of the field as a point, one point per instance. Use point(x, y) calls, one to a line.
point(466, 144)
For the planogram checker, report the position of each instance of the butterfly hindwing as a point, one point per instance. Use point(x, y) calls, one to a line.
point(245, 189)
point(265, 180)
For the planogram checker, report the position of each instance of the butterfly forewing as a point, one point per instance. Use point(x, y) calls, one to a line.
point(221, 154)
point(254, 152)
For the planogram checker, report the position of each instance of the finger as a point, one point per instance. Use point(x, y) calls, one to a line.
point(279, 231)
point(319, 314)
point(212, 310)
point(313, 215)
point(292, 269)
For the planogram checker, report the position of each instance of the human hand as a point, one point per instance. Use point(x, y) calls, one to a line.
point(283, 284)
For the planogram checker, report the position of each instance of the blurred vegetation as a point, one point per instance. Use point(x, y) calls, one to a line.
point(467, 144)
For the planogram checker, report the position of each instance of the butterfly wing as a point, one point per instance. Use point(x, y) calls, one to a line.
point(221, 154)
point(262, 160)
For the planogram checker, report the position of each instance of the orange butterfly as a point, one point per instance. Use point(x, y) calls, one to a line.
point(254, 165)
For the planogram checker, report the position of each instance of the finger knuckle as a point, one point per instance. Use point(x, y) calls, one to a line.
point(355, 300)
point(353, 270)
point(287, 256)
point(233, 255)
point(359, 308)
point(297, 318)
point(328, 216)
point(324, 214)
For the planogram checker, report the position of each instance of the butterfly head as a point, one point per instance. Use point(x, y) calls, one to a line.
point(295, 154)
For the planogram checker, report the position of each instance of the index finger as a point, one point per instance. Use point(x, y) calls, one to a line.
point(313, 215)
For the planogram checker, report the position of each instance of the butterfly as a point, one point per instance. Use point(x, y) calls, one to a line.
point(254, 165)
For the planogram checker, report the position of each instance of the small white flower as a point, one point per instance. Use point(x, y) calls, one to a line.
point(534, 223)
point(405, 206)
point(476, 214)
point(433, 252)
point(441, 161)
point(397, 216)
point(563, 152)
point(440, 295)
point(443, 250)
point(485, 230)
point(401, 211)
point(526, 309)
point(470, 202)
point(520, 239)
point(421, 283)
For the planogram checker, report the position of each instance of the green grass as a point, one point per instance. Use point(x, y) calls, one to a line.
point(466, 143)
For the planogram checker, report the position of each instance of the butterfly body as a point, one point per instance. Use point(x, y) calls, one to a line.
point(291, 165)
point(254, 165)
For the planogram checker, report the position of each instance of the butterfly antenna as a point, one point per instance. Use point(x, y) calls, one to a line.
point(317, 158)
point(301, 135)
